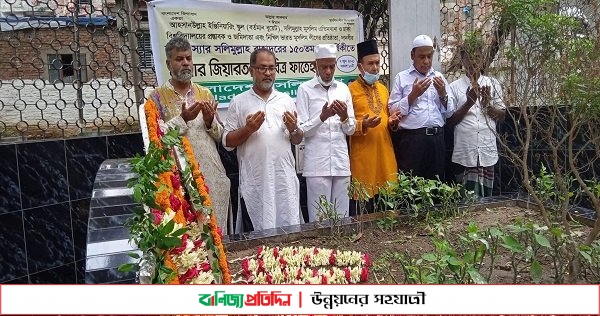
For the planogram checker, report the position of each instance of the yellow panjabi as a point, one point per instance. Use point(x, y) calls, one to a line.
point(372, 160)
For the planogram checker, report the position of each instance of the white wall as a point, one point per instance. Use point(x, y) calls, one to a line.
point(40, 100)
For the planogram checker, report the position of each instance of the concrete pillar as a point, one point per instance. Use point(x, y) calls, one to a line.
point(409, 18)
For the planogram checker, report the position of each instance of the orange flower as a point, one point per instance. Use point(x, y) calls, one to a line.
point(162, 197)
point(200, 186)
point(152, 122)
point(171, 266)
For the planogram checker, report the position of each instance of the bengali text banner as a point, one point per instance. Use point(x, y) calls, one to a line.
point(223, 35)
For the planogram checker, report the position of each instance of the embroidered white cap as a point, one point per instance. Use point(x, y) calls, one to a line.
point(325, 51)
point(421, 41)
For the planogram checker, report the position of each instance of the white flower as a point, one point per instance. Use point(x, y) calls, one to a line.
point(203, 278)
point(318, 266)
point(167, 217)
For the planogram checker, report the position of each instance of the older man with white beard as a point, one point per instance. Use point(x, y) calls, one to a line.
point(262, 123)
point(327, 116)
point(192, 108)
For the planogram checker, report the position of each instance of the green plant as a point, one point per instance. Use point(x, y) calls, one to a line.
point(590, 255)
point(328, 211)
point(382, 266)
point(527, 244)
point(389, 221)
point(359, 192)
point(554, 97)
point(448, 264)
point(418, 196)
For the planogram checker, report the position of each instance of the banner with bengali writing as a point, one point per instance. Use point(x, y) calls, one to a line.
point(223, 35)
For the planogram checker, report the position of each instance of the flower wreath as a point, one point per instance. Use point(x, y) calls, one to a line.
point(184, 205)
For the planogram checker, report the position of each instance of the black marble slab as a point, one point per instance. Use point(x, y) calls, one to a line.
point(80, 213)
point(84, 156)
point(125, 145)
point(10, 192)
point(48, 232)
point(64, 274)
point(13, 260)
point(42, 173)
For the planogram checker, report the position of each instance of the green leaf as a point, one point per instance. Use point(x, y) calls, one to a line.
point(455, 261)
point(137, 194)
point(586, 256)
point(476, 276)
point(134, 255)
point(542, 240)
point(516, 229)
point(127, 267)
point(429, 257)
point(180, 232)
point(495, 232)
point(536, 271)
point(170, 242)
point(511, 244)
point(167, 228)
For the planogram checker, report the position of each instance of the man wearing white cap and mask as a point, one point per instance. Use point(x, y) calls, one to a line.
point(421, 95)
point(325, 110)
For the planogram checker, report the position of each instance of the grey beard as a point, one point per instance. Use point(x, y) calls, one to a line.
point(183, 75)
point(265, 86)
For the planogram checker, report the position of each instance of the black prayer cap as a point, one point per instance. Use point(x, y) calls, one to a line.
point(366, 48)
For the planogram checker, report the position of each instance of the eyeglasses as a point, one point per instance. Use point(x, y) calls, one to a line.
point(264, 69)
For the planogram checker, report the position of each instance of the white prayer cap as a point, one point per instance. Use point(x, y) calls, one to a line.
point(421, 41)
point(325, 51)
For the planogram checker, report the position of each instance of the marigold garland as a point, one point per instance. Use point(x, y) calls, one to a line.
point(169, 263)
point(173, 197)
point(201, 186)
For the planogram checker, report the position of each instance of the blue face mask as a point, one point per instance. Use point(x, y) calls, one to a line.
point(370, 78)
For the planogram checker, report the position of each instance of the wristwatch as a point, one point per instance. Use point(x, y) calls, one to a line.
point(444, 98)
point(294, 132)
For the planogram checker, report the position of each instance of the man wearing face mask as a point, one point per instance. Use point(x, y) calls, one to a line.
point(325, 110)
point(421, 95)
point(192, 108)
point(372, 159)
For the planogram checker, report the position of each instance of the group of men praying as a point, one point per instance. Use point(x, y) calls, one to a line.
point(355, 133)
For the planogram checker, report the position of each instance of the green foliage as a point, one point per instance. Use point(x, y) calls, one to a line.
point(473, 42)
point(419, 196)
point(154, 241)
point(591, 262)
point(546, 183)
point(471, 257)
point(328, 211)
point(389, 222)
point(447, 264)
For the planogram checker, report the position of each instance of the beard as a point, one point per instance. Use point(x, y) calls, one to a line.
point(183, 75)
point(264, 85)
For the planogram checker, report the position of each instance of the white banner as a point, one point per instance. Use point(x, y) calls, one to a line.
point(298, 299)
point(223, 35)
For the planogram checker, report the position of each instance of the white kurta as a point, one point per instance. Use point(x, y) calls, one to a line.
point(326, 159)
point(474, 136)
point(268, 181)
point(325, 146)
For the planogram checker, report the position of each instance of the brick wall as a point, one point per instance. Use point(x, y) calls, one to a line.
point(25, 52)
